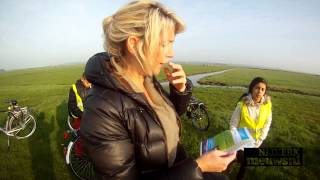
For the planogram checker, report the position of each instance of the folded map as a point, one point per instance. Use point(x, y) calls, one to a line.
point(229, 141)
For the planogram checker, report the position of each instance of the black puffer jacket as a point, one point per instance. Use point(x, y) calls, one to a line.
point(121, 132)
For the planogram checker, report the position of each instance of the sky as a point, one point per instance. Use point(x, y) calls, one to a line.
point(276, 34)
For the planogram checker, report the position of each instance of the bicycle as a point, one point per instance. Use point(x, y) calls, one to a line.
point(75, 156)
point(197, 112)
point(20, 123)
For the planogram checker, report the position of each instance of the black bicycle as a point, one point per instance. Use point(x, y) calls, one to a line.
point(197, 112)
point(76, 157)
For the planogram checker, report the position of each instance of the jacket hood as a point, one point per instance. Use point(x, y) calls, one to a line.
point(99, 72)
point(249, 101)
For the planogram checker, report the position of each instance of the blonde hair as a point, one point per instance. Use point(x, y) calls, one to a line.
point(147, 20)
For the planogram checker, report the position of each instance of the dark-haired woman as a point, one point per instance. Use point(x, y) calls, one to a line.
point(254, 112)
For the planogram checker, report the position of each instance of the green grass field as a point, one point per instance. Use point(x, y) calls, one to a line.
point(295, 121)
point(282, 81)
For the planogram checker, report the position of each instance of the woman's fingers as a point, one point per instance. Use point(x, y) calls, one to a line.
point(231, 157)
point(178, 74)
point(176, 77)
point(215, 161)
point(175, 66)
point(220, 153)
point(179, 81)
point(167, 72)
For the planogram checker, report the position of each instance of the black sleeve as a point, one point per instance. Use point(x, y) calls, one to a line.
point(187, 169)
point(72, 105)
point(180, 100)
point(106, 140)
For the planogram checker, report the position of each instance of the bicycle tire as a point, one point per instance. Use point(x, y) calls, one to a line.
point(79, 163)
point(200, 118)
point(26, 123)
point(71, 121)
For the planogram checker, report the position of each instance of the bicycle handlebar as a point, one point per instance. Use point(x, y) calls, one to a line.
point(193, 98)
point(194, 101)
point(11, 101)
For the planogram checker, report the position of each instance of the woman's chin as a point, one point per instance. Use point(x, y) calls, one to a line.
point(258, 100)
point(156, 72)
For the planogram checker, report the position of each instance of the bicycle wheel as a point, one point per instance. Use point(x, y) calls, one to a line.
point(79, 162)
point(22, 126)
point(200, 118)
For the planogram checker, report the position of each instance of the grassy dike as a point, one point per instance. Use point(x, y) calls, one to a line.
point(295, 119)
point(281, 81)
point(46, 91)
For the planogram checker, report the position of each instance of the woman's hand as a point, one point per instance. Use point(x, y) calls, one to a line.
point(177, 77)
point(215, 161)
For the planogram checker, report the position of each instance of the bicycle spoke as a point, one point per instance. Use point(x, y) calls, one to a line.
point(27, 120)
point(80, 164)
point(86, 172)
point(26, 126)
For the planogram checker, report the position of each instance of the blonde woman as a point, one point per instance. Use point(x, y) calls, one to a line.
point(131, 126)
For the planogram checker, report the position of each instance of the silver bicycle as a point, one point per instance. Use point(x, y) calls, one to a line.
point(20, 123)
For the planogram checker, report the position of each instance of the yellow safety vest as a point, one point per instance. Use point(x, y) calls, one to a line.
point(255, 127)
point(79, 100)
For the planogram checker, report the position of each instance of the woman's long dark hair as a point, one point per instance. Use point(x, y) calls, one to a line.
point(254, 82)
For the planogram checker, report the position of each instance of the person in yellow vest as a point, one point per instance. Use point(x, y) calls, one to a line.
point(254, 111)
point(77, 95)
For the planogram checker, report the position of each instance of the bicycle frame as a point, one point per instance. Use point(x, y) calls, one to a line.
point(15, 114)
point(10, 132)
point(20, 123)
